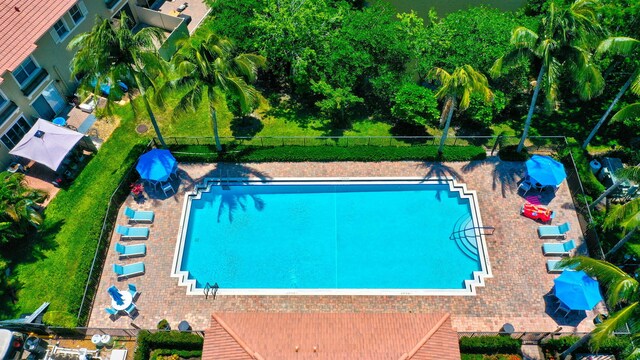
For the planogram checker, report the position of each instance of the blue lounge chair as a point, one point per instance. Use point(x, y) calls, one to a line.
point(560, 249)
point(133, 291)
point(133, 232)
point(128, 270)
point(131, 250)
point(552, 266)
point(131, 310)
point(136, 216)
point(553, 231)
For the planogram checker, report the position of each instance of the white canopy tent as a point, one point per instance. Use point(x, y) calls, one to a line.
point(47, 143)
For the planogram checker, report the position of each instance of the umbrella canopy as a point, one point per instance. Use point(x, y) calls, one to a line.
point(47, 144)
point(577, 290)
point(115, 295)
point(545, 170)
point(156, 165)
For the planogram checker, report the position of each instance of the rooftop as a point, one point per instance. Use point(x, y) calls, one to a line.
point(262, 335)
point(23, 23)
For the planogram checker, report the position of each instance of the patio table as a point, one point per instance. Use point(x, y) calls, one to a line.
point(127, 299)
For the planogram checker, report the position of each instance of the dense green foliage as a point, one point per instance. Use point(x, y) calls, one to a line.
point(490, 357)
point(178, 343)
point(592, 187)
point(327, 153)
point(417, 104)
point(182, 354)
point(490, 345)
point(614, 345)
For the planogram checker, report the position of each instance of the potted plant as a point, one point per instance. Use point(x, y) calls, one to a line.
point(163, 325)
point(137, 191)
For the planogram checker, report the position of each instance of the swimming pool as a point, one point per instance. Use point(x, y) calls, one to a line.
point(336, 236)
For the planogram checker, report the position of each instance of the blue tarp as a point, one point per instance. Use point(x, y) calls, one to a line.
point(577, 290)
point(545, 171)
point(156, 165)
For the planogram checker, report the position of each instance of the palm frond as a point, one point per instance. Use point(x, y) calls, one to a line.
point(628, 112)
point(617, 45)
point(523, 38)
point(626, 216)
point(615, 321)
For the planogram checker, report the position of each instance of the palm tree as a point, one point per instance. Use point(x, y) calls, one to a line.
point(18, 206)
point(632, 173)
point(622, 296)
point(208, 68)
point(563, 42)
point(111, 53)
point(619, 46)
point(457, 88)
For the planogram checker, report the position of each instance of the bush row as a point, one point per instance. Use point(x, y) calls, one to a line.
point(183, 354)
point(490, 357)
point(592, 187)
point(170, 340)
point(490, 345)
point(204, 153)
point(615, 345)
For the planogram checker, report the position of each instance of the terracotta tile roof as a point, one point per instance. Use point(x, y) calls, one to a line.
point(371, 336)
point(23, 23)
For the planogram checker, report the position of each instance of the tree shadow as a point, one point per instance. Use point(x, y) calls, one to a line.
point(506, 174)
point(246, 126)
point(473, 132)
point(404, 128)
point(439, 171)
point(292, 112)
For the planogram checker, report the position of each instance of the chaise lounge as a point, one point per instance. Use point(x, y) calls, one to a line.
point(561, 249)
point(546, 231)
point(125, 271)
point(131, 250)
point(133, 232)
point(136, 216)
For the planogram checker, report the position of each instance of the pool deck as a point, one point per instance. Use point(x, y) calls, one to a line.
point(517, 293)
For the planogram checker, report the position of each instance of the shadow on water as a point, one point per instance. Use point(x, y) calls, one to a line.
point(231, 202)
point(436, 170)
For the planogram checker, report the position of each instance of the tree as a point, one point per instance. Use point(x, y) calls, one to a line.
point(562, 44)
point(621, 295)
point(209, 69)
point(336, 101)
point(619, 46)
point(111, 53)
point(416, 104)
point(456, 90)
point(18, 206)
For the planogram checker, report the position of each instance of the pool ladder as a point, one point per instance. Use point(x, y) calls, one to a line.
point(210, 289)
point(466, 237)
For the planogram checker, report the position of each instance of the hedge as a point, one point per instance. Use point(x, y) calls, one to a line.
point(615, 345)
point(490, 345)
point(490, 357)
point(168, 340)
point(248, 154)
point(592, 187)
point(183, 354)
point(510, 153)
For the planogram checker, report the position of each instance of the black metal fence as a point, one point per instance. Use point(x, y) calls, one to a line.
point(115, 201)
point(86, 332)
point(490, 143)
point(534, 338)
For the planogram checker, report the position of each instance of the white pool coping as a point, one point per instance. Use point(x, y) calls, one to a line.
point(461, 188)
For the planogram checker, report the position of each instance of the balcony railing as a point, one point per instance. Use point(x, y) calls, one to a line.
point(7, 112)
point(34, 82)
point(111, 3)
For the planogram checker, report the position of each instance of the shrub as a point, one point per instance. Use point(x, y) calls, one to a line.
point(590, 183)
point(615, 345)
point(490, 345)
point(328, 153)
point(174, 340)
point(416, 104)
point(172, 354)
point(509, 153)
point(481, 113)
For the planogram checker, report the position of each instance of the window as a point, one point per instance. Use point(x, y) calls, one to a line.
point(25, 70)
point(61, 29)
point(15, 133)
point(78, 12)
point(3, 100)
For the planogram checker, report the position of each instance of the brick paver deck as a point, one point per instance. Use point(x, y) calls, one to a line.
point(516, 293)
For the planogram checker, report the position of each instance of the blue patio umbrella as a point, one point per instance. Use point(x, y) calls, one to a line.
point(115, 295)
point(545, 170)
point(156, 165)
point(577, 290)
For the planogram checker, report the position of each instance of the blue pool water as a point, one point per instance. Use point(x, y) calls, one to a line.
point(345, 236)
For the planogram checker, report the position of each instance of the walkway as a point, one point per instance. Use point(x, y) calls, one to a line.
point(516, 293)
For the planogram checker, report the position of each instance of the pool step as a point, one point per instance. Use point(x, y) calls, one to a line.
point(464, 235)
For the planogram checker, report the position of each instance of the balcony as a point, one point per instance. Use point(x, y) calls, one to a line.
point(7, 112)
point(40, 76)
point(110, 4)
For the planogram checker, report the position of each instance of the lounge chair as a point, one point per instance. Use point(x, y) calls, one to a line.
point(111, 311)
point(137, 216)
point(128, 270)
point(552, 266)
point(131, 250)
point(131, 310)
point(133, 232)
point(553, 231)
point(561, 249)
